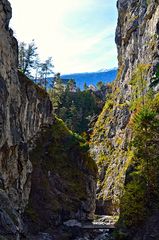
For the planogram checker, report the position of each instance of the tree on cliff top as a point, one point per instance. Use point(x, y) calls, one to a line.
point(27, 57)
point(45, 69)
point(31, 66)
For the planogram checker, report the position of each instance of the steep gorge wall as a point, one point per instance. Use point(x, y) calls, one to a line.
point(37, 154)
point(24, 108)
point(63, 180)
point(137, 39)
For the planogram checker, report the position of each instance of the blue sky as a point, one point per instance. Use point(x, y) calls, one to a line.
point(78, 34)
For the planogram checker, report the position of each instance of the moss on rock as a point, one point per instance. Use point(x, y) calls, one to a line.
point(63, 178)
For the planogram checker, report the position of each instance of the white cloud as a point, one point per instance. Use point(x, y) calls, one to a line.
point(46, 22)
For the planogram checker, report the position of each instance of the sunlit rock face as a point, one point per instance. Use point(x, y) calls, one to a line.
point(22, 112)
point(137, 39)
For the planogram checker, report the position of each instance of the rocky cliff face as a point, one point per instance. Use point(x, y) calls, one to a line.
point(25, 110)
point(63, 180)
point(137, 39)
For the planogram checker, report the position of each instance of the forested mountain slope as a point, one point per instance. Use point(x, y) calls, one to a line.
point(89, 78)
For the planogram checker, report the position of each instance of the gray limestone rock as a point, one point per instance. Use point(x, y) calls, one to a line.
point(24, 108)
point(137, 39)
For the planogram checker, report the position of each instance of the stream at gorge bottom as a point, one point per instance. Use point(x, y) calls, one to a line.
point(102, 234)
point(84, 234)
point(100, 229)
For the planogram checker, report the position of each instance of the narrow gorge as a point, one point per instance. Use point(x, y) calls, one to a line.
point(50, 178)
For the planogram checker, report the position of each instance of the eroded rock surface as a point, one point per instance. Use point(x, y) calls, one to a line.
point(25, 111)
point(22, 113)
point(137, 39)
point(63, 180)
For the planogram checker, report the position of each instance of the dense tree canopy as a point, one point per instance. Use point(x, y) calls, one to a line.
point(77, 108)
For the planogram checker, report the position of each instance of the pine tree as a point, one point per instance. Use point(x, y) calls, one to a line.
point(46, 69)
point(27, 57)
point(57, 92)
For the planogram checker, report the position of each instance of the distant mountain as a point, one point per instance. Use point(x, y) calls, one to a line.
point(104, 75)
point(106, 69)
